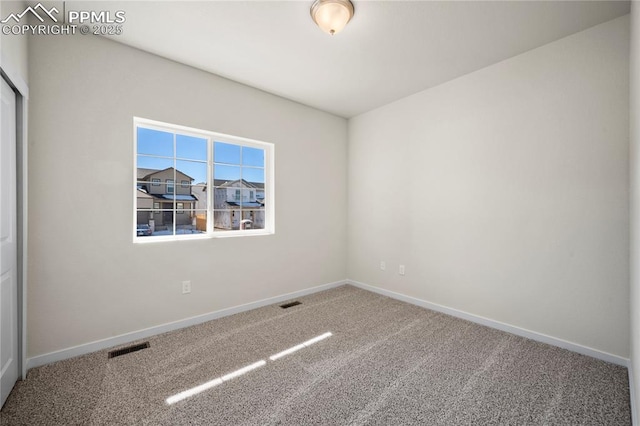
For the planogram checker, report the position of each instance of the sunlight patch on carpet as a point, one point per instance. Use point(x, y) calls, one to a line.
point(300, 346)
point(219, 380)
point(212, 383)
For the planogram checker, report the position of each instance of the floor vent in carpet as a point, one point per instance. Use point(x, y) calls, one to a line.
point(288, 305)
point(128, 350)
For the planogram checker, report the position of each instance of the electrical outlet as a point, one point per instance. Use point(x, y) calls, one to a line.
point(401, 270)
point(383, 265)
point(186, 287)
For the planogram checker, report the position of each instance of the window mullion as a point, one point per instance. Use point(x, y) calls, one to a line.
point(175, 179)
point(210, 186)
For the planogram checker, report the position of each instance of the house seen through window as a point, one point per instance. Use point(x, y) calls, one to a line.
point(223, 186)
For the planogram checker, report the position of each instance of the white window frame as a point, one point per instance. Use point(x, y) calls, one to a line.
point(211, 137)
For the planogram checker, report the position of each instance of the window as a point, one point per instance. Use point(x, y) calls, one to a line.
point(238, 171)
point(214, 184)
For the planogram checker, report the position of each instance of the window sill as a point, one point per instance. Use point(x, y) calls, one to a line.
point(213, 235)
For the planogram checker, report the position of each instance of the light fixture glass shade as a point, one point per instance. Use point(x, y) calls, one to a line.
point(332, 15)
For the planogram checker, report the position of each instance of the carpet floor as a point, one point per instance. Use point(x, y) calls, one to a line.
point(344, 356)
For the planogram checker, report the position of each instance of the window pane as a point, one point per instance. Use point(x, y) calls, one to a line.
point(249, 197)
point(187, 219)
point(226, 197)
point(226, 220)
point(163, 222)
point(144, 201)
point(199, 194)
point(150, 165)
point(250, 174)
point(153, 224)
point(143, 228)
point(200, 224)
point(191, 147)
point(252, 219)
point(226, 153)
point(225, 174)
point(252, 156)
point(191, 171)
point(155, 142)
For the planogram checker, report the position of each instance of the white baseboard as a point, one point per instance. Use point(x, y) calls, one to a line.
point(574, 347)
point(152, 331)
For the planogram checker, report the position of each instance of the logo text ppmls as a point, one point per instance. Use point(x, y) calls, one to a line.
point(93, 17)
point(42, 20)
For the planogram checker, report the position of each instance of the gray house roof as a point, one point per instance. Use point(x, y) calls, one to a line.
point(244, 204)
point(142, 173)
point(224, 183)
point(151, 172)
point(178, 197)
point(143, 194)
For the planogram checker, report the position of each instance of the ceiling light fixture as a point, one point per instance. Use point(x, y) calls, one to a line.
point(331, 15)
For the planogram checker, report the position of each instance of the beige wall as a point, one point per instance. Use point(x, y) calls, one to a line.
point(635, 204)
point(13, 48)
point(87, 280)
point(505, 191)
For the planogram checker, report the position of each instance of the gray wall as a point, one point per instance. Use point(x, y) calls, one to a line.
point(87, 280)
point(505, 192)
point(635, 202)
point(13, 48)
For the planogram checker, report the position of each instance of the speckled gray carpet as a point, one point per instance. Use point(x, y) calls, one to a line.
point(385, 363)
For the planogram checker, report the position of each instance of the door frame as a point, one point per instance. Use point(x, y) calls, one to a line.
point(9, 74)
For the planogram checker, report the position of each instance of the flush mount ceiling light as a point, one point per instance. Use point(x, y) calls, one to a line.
point(331, 15)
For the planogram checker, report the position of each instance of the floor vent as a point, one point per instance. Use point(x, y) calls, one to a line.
point(128, 350)
point(288, 305)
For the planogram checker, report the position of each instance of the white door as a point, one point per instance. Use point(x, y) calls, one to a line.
point(8, 245)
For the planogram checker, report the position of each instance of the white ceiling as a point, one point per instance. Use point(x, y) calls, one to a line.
point(389, 50)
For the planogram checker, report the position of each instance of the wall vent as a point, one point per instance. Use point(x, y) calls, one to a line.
point(288, 305)
point(128, 350)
